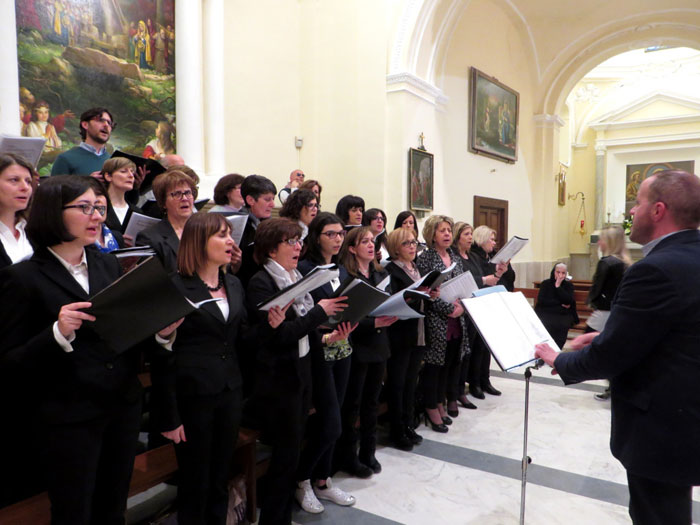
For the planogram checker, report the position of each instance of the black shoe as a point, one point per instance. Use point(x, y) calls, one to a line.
point(603, 396)
point(452, 413)
point(415, 438)
point(466, 403)
point(447, 420)
point(371, 462)
point(399, 439)
point(442, 428)
point(475, 391)
point(489, 389)
point(357, 469)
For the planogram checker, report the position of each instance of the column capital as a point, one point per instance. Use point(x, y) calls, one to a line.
point(545, 120)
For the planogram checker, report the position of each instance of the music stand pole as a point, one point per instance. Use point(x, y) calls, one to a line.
point(526, 459)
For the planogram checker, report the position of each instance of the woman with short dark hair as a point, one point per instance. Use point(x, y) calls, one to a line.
point(15, 196)
point(282, 391)
point(227, 194)
point(301, 206)
point(375, 219)
point(90, 397)
point(350, 209)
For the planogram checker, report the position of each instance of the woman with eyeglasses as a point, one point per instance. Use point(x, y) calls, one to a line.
point(175, 193)
point(407, 339)
point(330, 370)
point(282, 393)
point(370, 344)
point(375, 219)
point(89, 396)
point(107, 239)
point(301, 206)
point(446, 329)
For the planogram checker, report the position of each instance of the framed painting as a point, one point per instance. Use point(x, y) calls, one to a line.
point(77, 54)
point(420, 180)
point(636, 173)
point(493, 117)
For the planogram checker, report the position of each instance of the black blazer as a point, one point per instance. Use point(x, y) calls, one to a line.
point(4, 258)
point(402, 334)
point(248, 266)
point(112, 220)
point(370, 344)
point(278, 356)
point(472, 265)
point(550, 300)
point(481, 259)
point(650, 351)
point(75, 386)
point(607, 277)
point(204, 357)
point(164, 241)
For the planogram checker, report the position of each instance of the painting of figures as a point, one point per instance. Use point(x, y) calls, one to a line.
point(636, 173)
point(493, 118)
point(77, 54)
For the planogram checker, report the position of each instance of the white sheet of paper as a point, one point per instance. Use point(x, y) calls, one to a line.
point(460, 287)
point(396, 306)
point(321, 276)
point(137, 223)
point(237, 223)
point(29, 148)
point(509, 250)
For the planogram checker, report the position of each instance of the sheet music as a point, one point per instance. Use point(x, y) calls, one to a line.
point(317, 277)
point(460, 287)
point(509, 250)
point(29, 148)
point(237, 223)
point(137, 223)
point(396, 306)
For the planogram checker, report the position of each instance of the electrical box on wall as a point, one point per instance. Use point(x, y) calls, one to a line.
point(298, 142)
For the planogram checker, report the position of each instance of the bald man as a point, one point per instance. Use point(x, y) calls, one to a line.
point(296, 179)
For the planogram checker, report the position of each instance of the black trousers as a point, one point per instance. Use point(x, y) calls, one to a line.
point(440, 382)
point(479, 364)
point(204, 461)
point(361, 398)
point(330, 380)
point(90, 465)
point(659, 503)
point(283, 408)
point(402, 376)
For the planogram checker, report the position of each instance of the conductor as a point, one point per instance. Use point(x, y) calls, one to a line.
point(650, 352)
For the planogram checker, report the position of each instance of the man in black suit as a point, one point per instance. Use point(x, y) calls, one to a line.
point(650, 352)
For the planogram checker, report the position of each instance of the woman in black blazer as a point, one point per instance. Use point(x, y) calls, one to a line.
point(175, 193)
point(15, 194)
point(480, 365)
point(556, 304)
point(118, 174)
point(370, 350)
point(196, 380)
point(330, 370)
point(89, 395)
point(282, 391)
point(407, 341)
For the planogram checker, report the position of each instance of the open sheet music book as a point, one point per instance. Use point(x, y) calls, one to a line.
point(460, 287)
point(509, 326)
point(312, 280)
point(509, 250)
point(29, 148)
point(400, 305)
point(139, 222)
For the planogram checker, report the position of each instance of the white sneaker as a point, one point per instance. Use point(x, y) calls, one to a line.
point(306, 498)
point(334, 494)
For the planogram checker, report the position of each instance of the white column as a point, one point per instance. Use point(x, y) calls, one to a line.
point(9, 78)
point(188, 83)
point(214, 134)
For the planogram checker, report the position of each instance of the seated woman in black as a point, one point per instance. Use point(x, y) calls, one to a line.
point(282, 392)
point(407, 340)
point(330, 370)
point(197, 385)
point(556, 305)
point(370, 344)
point(90, 397)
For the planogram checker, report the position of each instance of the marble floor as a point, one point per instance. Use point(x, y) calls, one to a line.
point(472, 474)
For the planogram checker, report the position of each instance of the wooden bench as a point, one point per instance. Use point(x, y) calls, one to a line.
point(150, 469)
point(582, 308)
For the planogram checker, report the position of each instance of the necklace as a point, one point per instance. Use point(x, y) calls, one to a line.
point(218, 286)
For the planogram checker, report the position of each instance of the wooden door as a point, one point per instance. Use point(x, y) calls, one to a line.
point(494, 214)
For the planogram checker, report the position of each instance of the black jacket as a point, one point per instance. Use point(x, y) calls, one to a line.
point(404, 333)
point(607, 277)
point(481, 259)
point(370, 344)
point(550, 299)
point(164, 241)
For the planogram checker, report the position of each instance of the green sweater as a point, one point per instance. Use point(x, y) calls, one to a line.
point(78, 161)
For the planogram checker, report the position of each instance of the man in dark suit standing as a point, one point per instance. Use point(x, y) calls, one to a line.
point(650, 352)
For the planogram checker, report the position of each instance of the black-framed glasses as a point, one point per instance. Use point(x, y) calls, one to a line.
point(312, 205)
point(88, 209)
point(177, 195)
point(294, 241)
point(333, 234)
point(409, 243)
point(111, 124)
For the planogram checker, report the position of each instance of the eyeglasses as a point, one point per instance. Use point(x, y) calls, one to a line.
point(111, 124)
point(333, 234)
point(293, 242)
point(177, 195)
point(409, 243)
point(88, 209)
point(312, 205)
point(377, 218)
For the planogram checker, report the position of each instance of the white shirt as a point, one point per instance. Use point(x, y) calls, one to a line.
point(121, 213)
point(17, 249)
point(80, 274)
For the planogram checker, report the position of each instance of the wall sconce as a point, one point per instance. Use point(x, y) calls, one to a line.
point(580, 225)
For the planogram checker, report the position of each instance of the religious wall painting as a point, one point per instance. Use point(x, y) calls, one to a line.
point(78, 54)
point(493, 117)
point(420, 180)
point(636, 173)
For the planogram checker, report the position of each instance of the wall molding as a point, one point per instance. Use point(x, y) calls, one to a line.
point(602, 144)
point(545, 120)
point(415, 85)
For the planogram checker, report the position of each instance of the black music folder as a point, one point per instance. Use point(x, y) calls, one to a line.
point(362, 298)
point(153, 168)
